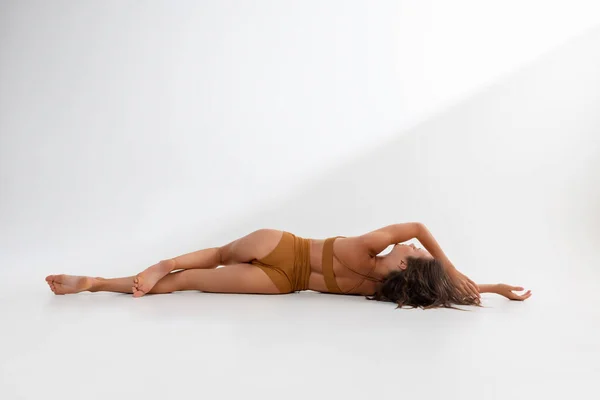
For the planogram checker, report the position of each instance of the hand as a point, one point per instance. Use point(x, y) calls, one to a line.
point(506, 291)
point(464, 284)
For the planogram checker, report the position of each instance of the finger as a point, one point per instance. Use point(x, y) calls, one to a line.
point(521, 297)
point(519, 288)
point(461, 287)
point(468, 291)
point(465, 292)
point(473, 296)
point(473, 288)
point(474, 291)
point(526, 295)
point(529, 291)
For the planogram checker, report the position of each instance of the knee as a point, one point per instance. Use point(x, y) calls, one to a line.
point(220, 255)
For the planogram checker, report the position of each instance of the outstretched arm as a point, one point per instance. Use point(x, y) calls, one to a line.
point(504, 290)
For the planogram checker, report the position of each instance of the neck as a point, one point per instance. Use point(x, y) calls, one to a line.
point(382, 267)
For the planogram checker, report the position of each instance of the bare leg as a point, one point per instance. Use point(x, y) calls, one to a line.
point(239, 252)
point(68, 284)
point(255, 245)
point(206, 258)
point(145, 281)
point(238, 278)
point(65, 284)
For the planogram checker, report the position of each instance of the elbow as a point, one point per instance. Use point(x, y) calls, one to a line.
point(421, 232)
point(419, 229)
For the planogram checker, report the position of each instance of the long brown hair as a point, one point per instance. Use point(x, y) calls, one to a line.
point(424, 283)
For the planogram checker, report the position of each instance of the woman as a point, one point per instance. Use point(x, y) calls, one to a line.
point(270, 261)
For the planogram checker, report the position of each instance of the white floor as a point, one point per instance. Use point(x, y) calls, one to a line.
point(201, 345)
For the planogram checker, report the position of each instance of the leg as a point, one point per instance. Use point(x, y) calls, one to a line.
point(255, 245)
point(145, 281)
point(238, 278)
point(69, 284)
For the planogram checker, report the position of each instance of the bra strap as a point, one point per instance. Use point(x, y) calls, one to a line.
point(327, 265)
point(365, 277)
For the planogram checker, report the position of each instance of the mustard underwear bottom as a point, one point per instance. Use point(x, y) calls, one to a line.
point(288, 265)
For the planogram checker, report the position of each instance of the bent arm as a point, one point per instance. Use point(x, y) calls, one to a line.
point(433, 247)
point(378, 240)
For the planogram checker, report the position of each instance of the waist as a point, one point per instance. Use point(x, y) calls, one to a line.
point(302, 263)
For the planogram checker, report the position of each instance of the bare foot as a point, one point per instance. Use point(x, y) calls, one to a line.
point(67, 284)
point(145, 281)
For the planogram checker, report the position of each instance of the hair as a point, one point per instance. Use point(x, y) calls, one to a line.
point(424, 284)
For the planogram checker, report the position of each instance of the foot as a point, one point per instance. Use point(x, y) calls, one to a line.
point(145, 281)
point(67, 284)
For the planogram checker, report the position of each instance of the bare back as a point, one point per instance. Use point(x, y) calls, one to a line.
point(351, 263)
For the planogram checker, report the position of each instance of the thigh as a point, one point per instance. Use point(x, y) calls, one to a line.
point(256, 245)
point(237, 278)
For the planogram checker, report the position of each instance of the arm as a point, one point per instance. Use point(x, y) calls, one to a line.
point(378, 240)
point(433, 247)
point(466, 285)
point(487, 288)
point(504, 290)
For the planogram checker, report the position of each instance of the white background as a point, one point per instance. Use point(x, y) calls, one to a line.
point(134, 131)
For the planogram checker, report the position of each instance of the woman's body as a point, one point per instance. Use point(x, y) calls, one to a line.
point(247, 266)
